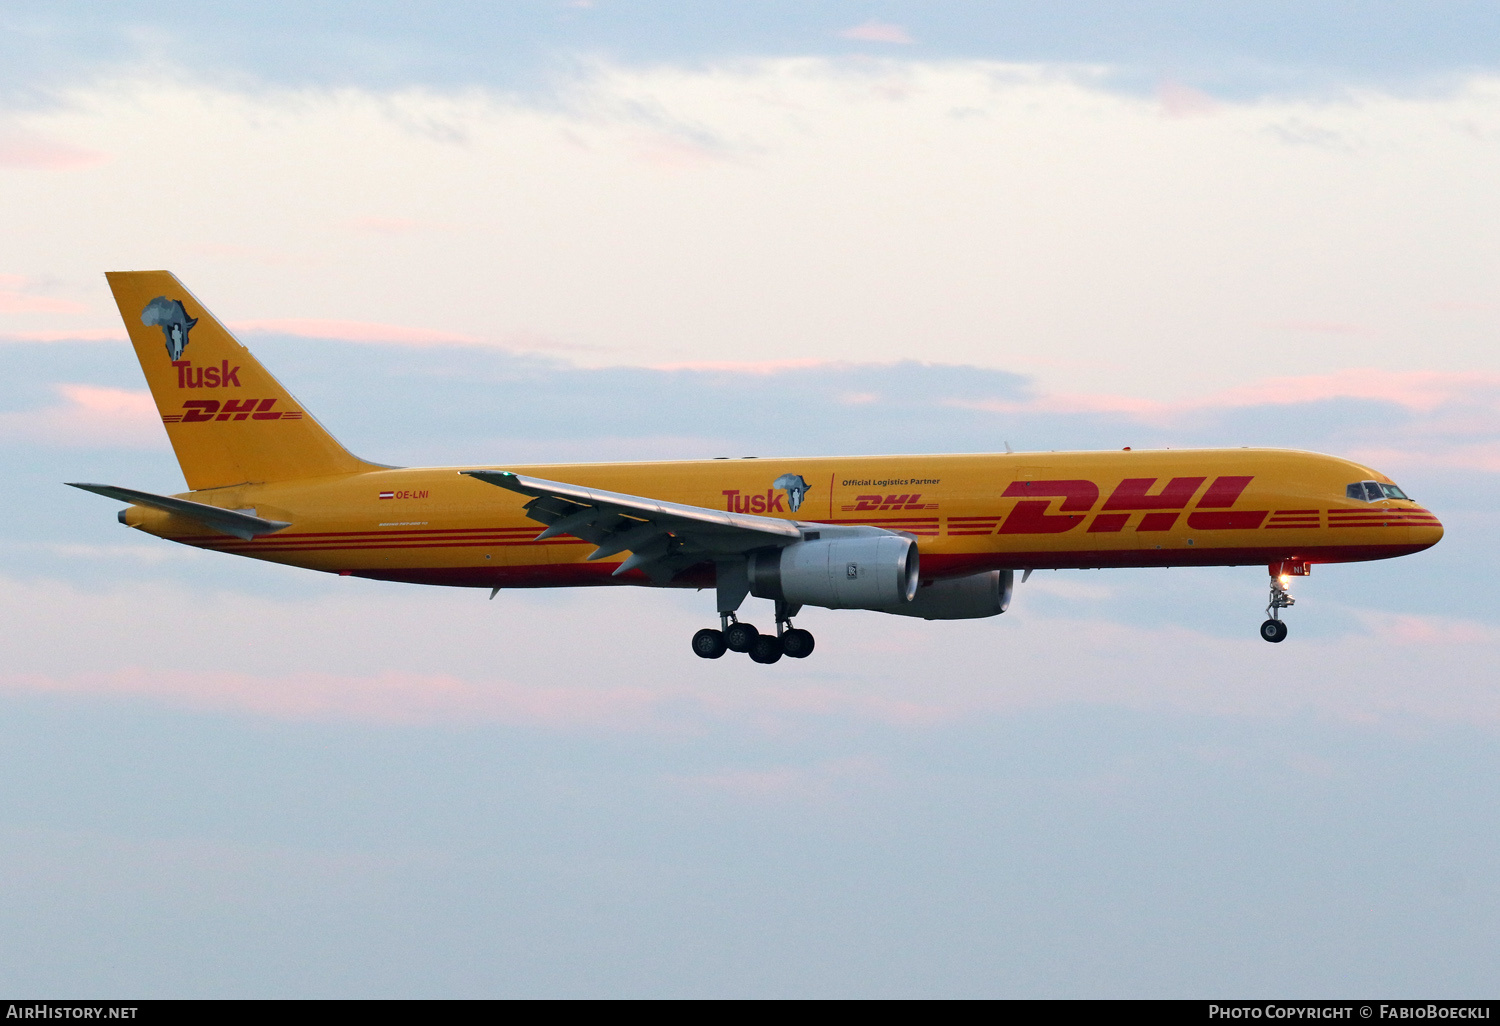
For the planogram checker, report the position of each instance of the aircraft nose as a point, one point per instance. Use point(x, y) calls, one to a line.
point(1426, 528)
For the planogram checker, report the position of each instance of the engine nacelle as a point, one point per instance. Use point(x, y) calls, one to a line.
point(960, 598)
point(863, 568)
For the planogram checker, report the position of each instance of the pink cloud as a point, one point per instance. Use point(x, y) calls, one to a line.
point(1323, 327)
point(254, 254)
point(1483, 456)
point(62, 335)
point(17, 295)
point(744, 367)
point(420, 699)
point(878, 32)
point(1363, 676)
point(32, 152)
point(89, 416)
point(910, 676)
point(675, 153)
point(824, 780)
point(385, 698)
point(1412, 629)
point(1421, 391)
point(387, 225)
point(109, 402)
point(1181, 101)
point(353, 331)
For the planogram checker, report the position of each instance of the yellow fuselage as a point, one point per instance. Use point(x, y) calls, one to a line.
point(968, 513)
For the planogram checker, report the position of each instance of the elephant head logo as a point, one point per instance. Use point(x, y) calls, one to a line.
point(173, 320)
point(796, 489)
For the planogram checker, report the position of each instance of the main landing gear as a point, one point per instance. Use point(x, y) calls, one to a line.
point(735, 635)
point(1273, 630)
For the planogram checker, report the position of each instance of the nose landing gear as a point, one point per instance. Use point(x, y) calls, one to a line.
point(1273, 630)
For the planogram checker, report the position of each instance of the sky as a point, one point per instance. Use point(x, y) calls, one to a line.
point(560, 232)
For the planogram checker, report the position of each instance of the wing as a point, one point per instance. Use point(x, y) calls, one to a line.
point(662, 537)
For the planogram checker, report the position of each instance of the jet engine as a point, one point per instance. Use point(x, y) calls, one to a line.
point(960, 598)
point(862, 568)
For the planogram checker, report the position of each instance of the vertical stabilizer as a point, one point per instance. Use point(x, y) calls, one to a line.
point(229, 420)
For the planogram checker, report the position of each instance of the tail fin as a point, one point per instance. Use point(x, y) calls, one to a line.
point(229, 420)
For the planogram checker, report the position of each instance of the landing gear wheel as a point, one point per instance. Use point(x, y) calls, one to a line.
point(797, 643)
point(740, 636)
point(708, 643)
point(766, 648)
point(1273, 631)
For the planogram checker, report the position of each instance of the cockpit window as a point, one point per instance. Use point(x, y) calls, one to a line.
point(1373, 491)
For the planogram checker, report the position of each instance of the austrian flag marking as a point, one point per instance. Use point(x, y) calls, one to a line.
point(387, 495)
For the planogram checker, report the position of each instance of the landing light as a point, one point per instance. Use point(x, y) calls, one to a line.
point(1285, 579)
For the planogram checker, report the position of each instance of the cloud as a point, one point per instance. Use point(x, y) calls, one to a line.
point(1057, 228)
point(1423, 455)
point(353, 331)
point(90, 416)
point(382, 654)
point(404, 698)
point(17, 296)
point(30, 151)
point(1322, 327)
point(1181, 101)
point(1415, 629)
point(387, 225)
point(1419, 391)
point(757, 367)
point(877, 32)
point(67, 335)
point(821, 781)
point(1361, 678)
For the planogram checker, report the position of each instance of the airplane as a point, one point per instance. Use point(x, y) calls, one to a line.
point(937, 537)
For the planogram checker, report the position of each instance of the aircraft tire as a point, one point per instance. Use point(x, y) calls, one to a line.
point(708, 643)
point(1273, 631)
point(797, 643)
point(741, 636)
point(766, 649)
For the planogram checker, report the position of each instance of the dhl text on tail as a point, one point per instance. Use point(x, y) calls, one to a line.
point(938, 537)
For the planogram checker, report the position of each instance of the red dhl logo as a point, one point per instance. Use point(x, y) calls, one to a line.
point(222, 376)
point(1160, 509)
point(872, 503)
point(201, 411)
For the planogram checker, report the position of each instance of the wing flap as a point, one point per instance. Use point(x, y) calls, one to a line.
point(640, 506)
point(662, 537)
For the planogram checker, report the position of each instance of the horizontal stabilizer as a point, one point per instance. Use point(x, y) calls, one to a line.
point(241, 525)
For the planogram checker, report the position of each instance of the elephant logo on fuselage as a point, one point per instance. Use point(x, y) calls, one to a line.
point(795, 487)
